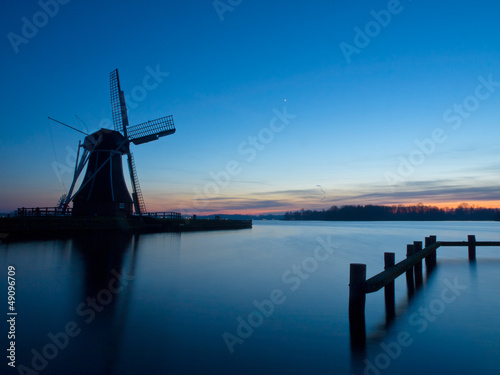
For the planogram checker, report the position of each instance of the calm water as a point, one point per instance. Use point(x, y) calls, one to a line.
point(236, 302)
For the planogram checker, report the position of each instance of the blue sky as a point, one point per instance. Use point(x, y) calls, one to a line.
point(331, 127)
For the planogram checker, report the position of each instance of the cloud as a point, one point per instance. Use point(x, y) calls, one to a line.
point(243, 205)
point(294, 193)
point(430, 191)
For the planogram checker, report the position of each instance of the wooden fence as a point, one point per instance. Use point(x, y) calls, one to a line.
point(43, 211)
point(165, 215)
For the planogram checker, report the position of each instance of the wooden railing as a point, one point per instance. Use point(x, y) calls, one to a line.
point(165, 215)
point(43, 211)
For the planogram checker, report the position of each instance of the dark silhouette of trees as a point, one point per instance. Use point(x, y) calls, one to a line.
point(417, 212)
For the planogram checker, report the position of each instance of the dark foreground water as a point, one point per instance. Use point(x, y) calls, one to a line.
point(267, 300)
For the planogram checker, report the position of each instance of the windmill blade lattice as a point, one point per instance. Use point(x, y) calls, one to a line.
point(118, 108)
point(151, 130)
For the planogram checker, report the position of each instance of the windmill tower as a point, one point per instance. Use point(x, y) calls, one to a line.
point(103, 191)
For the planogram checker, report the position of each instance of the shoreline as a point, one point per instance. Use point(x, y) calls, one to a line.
point(19, 228)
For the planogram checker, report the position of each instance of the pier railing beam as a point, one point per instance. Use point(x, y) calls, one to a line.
point(472, 248)
point(390, 299)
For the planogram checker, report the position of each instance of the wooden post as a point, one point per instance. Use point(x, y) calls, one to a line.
point(430, 260)
point(357, 300)
point(428, 257)
point(472, 248)
point(357, 296)
point(433, 240)
point(390, 301)
point(409, 274)
point(419, 280)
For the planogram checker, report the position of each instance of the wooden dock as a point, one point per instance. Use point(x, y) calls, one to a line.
point(359, 286)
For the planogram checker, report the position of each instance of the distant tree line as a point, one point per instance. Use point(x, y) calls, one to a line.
point(396, 213)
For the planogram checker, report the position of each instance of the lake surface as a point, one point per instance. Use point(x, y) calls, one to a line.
point(267, 300)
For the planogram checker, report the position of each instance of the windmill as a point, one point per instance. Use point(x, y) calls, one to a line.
point(103, 191)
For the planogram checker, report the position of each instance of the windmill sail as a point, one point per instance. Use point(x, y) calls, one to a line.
point(140, 206)
point(118, 107)
point(120, 122)
point(151, 130)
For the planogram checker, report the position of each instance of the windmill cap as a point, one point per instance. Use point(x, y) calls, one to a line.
point(106, 139)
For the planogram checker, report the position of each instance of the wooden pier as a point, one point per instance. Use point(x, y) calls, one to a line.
point(359, 286)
